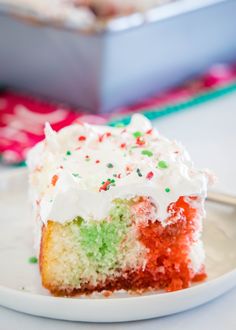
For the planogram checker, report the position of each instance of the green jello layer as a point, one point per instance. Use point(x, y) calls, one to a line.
point(100, 240)
point(90, 251)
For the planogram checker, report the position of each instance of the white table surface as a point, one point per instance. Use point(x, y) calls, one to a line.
point(209, 133)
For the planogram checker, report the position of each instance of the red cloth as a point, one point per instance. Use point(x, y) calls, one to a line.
point(22, 117)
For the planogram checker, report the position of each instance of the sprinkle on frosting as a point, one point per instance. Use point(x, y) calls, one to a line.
point(54, 179)
point(139, 172)
point(162, 164)
point(68, 153)
point(150, 175)
point(110, 165)
point(137, 134)
point(147, 153)
point(107, 184)
point(82, 138)
point(167, 190)
point(102, 136)
point(76, 175)
point(140, 141)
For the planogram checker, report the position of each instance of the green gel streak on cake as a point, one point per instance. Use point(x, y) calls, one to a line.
point(97, 244)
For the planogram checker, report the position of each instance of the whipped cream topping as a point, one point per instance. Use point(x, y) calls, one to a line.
point(80, 170)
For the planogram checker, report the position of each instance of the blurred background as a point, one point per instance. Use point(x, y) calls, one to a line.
point(101, 60)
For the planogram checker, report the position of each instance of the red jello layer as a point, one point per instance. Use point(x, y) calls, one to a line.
point(168, 260)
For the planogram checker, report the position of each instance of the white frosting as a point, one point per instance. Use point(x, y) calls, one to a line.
point(77, 191)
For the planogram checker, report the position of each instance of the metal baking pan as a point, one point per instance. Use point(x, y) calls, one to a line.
point(126, 60)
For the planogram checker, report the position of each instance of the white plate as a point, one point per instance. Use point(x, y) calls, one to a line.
point(20, 287)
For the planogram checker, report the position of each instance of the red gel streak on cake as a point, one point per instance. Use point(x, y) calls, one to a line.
point(168, 265)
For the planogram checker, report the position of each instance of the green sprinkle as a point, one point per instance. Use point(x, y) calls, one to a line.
point(147, 153)
point(33, 260)
point(137, 134)
point(76, 175)
point(139, 172)
point(167, 190)
point(110, 165)
point(68, 153)
point(162, 164)
point(119, 125)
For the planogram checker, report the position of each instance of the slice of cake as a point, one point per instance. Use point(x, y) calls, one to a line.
point(116, 208)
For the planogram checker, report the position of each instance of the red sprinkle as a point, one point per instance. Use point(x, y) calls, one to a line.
point(82, 138)
point(105, 185)
point(149, 175)
point(149, 131)
point(140, 141)
point(118, 176)
point(87, 156)
point(97, 161)
point(128, 168)
point(61, 167)
point(54, 179)
point(100, 137)
point(123, 145)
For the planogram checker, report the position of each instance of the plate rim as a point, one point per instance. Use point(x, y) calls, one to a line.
point(44, 306)
point(189, 290)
